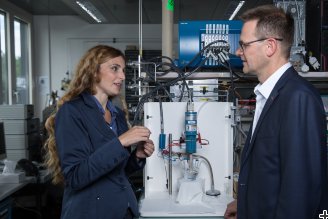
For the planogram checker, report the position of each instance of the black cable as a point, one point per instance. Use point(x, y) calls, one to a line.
point(232, 86)
point(202, 50)
point(161, 57)
point(181, 76)
point(146, 96)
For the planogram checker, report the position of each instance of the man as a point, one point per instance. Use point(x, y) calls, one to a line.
point(283, 173)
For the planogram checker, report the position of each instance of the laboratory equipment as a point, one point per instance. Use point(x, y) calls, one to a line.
point(200, 179)
point(195, 35)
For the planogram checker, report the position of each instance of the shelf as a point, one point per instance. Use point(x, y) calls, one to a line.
point(314, 74)
point(226, 75)
point(197, 75)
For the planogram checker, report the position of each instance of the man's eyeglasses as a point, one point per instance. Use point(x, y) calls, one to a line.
point(243, 45)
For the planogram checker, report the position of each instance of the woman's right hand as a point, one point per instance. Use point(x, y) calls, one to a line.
point(134, 135)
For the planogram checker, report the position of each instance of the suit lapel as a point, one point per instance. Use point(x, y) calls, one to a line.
point(273, 96)
point(97, 120)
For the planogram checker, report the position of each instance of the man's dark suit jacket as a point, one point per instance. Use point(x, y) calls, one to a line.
point(94, 163)
point(283, 173)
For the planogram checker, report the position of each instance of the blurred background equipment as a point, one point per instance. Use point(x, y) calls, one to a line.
point(22, 132)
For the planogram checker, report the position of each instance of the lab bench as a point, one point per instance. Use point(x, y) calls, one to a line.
point(30, 186)
point(6, 191)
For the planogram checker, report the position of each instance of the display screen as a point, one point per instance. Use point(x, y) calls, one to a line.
point(2, 142)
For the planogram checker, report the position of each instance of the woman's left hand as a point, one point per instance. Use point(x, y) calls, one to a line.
point(145, 149)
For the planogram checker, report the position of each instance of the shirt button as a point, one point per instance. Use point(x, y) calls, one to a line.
point(98, 198)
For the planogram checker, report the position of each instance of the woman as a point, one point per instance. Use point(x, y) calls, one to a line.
point(88, 145)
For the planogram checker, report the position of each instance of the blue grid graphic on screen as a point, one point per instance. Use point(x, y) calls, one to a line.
point(195, 35)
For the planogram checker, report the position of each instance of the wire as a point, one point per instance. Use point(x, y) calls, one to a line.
point(161, 57)
point(182, 76)
point(232, 86)
point(161, 115)
point(202, 50)
point(146, 96)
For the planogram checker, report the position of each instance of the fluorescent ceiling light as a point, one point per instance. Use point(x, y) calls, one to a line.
point(91, 10)
point(241, 3)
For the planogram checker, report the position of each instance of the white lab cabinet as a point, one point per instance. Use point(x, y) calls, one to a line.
point(214, 127)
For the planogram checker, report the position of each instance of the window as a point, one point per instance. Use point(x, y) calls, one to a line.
point(3, 61)
point(21, 89)
point(15, 60)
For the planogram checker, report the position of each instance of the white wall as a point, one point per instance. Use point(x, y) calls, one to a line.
point(60, 41)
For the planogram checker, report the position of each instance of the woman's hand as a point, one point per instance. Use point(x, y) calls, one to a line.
point(145, 149)
point(134, 135)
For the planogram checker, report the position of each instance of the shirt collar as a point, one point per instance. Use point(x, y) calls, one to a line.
point(266, 88)
point(109, 106)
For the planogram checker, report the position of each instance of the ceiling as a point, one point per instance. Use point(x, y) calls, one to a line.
point(127, 11)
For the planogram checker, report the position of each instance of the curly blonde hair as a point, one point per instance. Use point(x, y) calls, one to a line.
point(84, 80)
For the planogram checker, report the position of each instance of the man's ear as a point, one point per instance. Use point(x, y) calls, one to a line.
point(271, 47)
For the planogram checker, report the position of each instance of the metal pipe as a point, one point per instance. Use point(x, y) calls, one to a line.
point(140, 28)
point(212, 191)
point(170, 164)
point(140, 47)
point(167, 29)
point(190, 162)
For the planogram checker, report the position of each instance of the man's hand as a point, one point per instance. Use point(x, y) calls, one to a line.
point(231, 211)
